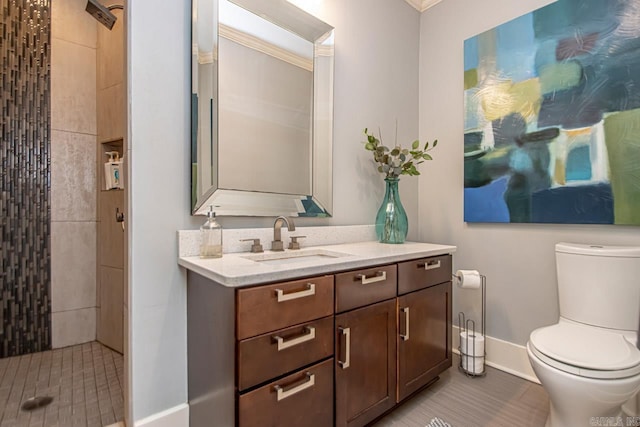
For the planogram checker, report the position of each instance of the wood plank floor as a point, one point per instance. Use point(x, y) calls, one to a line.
point(497, 399)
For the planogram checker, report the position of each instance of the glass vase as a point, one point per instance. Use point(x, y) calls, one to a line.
point(391, 221)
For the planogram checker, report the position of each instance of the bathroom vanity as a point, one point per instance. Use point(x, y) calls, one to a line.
point(334, 335)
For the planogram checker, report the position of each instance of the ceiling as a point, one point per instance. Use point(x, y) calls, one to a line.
point(422, 5)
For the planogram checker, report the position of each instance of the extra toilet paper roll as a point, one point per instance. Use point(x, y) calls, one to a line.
point(473, 365)
point(468, 279)
point(470, 344)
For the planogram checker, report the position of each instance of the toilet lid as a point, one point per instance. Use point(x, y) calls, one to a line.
point(585, 347)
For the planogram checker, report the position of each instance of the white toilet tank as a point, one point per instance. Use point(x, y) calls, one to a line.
point(599, 285)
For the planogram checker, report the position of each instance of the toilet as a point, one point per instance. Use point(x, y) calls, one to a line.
point(588, 362)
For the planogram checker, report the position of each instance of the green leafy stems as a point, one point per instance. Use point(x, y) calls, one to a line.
point(397, 161)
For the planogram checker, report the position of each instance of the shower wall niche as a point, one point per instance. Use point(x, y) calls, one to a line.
point(25, 159)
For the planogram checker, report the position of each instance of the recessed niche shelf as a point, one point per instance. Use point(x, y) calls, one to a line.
point(107, 146)
point(113, 145)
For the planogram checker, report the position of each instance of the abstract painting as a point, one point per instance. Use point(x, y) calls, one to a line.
point(552, 116)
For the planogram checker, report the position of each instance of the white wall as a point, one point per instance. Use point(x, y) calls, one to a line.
point(376, 68)
point(517, 259)
point(376, 77)
point(159, 77)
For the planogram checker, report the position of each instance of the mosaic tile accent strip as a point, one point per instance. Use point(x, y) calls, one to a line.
point(25, 210)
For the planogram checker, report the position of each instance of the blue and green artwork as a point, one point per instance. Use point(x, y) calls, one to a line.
point(552, 116)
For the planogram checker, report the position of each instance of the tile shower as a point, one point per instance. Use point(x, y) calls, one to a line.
point(49, 219)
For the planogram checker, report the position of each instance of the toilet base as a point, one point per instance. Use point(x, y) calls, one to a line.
point(631, 407)
point(578, 401)
point(614, 418)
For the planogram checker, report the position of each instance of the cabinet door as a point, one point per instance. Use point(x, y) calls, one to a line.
point(365, 363)
point(424, 337)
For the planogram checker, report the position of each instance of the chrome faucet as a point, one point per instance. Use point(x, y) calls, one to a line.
point(276, 244)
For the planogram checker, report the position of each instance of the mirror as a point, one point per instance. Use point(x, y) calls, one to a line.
point(261, 109)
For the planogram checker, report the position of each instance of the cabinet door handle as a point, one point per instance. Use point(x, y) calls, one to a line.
point(310, 334)
point(311, 290)
point(346, 332)
point(405, 336)
point(431, 265)
point(283, 394)
point(380, 276)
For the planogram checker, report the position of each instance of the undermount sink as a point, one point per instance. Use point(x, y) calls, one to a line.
point(295, 256)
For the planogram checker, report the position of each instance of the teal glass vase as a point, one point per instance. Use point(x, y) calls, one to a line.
point(391, 221)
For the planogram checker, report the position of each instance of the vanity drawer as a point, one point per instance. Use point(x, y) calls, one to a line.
point(422, 273)
point(363, 287)
point(271, 307)
point(304, 398)
point(276, 353)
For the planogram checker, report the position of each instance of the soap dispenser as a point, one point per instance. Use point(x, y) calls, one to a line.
point(211, 237)
point(113, 171)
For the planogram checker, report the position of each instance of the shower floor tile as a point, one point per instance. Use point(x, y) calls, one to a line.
point(85, 382)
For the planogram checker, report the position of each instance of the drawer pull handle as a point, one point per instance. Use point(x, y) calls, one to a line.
point(346, 332)
point(311, 290)
point(380, 276)
point(405, 336)
point(283, 394)
point(431, 265)
point(310, 334)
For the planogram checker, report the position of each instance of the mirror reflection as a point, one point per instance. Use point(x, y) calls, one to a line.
point(261, 109)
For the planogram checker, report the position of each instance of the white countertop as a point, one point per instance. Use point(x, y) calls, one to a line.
point(237, 270)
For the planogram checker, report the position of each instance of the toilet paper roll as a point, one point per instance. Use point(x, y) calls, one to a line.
point(473, 365)
point(471, 344)
point(468, 279)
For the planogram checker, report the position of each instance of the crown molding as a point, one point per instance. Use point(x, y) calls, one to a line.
point(422, 5)
point(264, 46)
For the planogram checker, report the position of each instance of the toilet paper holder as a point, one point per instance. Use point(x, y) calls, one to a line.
point(472, 362)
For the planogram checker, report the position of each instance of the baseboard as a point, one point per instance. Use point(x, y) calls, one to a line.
point(178, 416)
point(503, 355)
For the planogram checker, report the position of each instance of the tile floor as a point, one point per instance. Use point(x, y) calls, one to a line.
point(85, 382)
point(495, 400)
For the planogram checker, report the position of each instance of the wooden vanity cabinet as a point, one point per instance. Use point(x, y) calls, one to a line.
point(334, 350)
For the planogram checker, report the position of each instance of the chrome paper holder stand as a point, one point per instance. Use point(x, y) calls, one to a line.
point(466, 325)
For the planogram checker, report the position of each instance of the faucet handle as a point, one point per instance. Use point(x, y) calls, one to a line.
point(256, 247)
point(294, 244)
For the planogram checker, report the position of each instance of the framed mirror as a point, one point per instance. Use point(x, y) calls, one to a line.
point(261, 109)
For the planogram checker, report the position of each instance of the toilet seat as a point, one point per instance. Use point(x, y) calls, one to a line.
point(585, 351)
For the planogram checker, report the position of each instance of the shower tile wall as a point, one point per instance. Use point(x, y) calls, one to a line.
point(24, 182)
point(73, 173)
point(111, 111)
